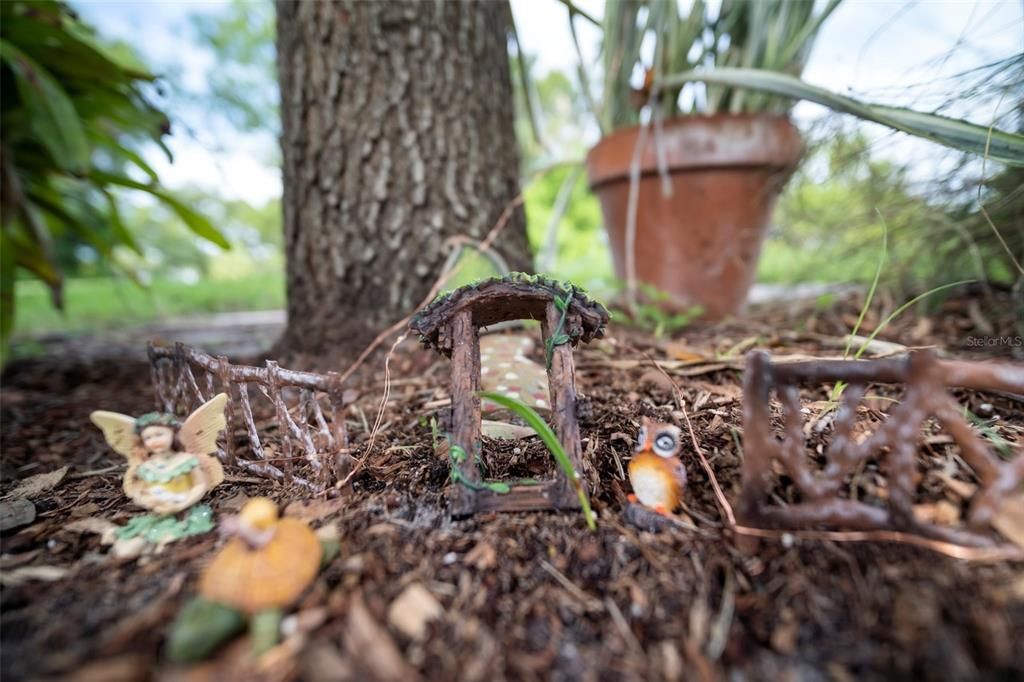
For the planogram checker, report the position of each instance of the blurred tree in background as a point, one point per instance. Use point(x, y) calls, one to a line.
point(243, 87)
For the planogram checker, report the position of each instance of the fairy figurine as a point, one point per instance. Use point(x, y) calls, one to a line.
point(170, 468)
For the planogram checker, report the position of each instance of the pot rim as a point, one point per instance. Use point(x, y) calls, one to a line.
point(755, 140)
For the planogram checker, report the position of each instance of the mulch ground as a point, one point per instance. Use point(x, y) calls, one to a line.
point(529, 595)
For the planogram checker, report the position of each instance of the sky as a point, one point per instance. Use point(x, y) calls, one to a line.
point(888, 51)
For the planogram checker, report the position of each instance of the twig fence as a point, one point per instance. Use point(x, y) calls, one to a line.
point(308, 411)
point(894, 443)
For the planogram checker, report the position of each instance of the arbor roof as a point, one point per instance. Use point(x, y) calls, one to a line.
point(516, 296)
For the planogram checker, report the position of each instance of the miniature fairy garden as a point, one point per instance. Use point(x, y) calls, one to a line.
point(539, 492)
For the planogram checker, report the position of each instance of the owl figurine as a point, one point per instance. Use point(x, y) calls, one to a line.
point(656, 473)
point(170, 466)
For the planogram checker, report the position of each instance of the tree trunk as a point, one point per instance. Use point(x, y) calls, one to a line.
point(397, 134)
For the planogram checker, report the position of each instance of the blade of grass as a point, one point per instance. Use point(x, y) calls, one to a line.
point(874, 283)
point(534, 421)
point(894, 314)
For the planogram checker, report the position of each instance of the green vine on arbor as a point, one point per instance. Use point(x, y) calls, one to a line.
point(457, 456)
point(558, 335)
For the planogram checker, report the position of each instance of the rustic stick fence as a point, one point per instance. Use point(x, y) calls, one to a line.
point(893, 443)
point(308, 411)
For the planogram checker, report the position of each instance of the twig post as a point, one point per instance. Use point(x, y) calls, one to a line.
point(562, 389)
point(465, 383)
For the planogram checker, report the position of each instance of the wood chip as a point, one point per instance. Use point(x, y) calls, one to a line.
point(33, 486)
point(655, 379)
point(25, 574)
point(314, 509)
point(16, 513)
point(99, 526)
point(126, 668)
point(413, 610)
point(370, 645)
point(961, 489)
point(322, 662)
point(784, 636)
point(943, 513)
point(1009, 520)
point(483, 556)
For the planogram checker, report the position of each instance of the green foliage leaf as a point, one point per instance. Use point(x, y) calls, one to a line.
point(457, 456)
point(67, 102)
point(535, 422)
point(52, 116)
point(123, 152)
point(6, 293)
point(264, 630)
point(195, 222)
point(200, 628)
point(775, 35)
point(120, 231)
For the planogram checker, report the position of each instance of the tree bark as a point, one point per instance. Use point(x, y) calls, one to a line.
point(397, 133)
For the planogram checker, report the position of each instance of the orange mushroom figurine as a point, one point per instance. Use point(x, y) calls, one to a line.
point(265, 567)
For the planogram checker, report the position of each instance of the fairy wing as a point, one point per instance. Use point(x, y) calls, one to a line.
point(119, 430)
point(199, 432)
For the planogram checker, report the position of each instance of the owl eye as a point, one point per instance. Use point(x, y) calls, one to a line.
point(665, 444)
point(641, 440)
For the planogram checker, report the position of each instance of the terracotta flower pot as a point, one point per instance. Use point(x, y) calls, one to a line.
point(701, 244)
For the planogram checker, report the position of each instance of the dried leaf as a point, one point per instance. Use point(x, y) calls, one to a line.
point(683, 353)
point(33, 486)
point(504, 430)
point(16, 513)
point(87, 509)
point(303, 622)
point(234, 503)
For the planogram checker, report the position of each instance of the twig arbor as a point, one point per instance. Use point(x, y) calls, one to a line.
point(451, 326)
